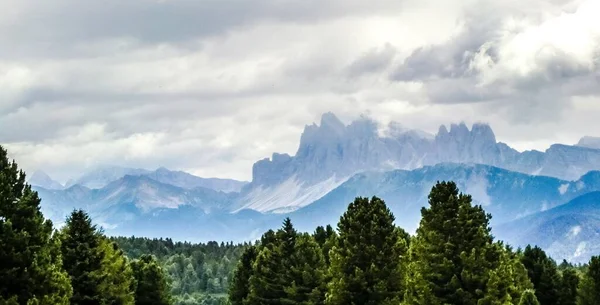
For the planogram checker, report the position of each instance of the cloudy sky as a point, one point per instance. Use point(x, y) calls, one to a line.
point(211, 86)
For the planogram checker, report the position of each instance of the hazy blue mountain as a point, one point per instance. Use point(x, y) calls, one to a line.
point(103, 175)
point(570, 231)
point(331, 153)
point(128, 198)
point(39, 178)
point(589, 142)
point(189, 181)
point(505, 194)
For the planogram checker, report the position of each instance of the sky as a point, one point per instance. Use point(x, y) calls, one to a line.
point(211, 86)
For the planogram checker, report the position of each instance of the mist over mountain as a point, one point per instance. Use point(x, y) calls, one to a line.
point(334, 164)
point(332, 152)
point(570, 231)
point(40, 178)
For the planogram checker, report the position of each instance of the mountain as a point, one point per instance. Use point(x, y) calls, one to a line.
point(39, 178)
point(570, 231)
point(189, 181)
point(331, 153)
point(126, 199)
point(505, 194)
point(589, 142)
point(102, 176)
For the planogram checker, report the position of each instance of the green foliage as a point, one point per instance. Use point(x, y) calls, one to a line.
point(568, 287)
point(453, 259)
point(528, 298)
point(30, 267)
point(544, 275)
point(240, 288)
point(366, 262)
point(192, 269)
point(100, 273)
point(589, 289)
point(82, 256)
point(151, 284)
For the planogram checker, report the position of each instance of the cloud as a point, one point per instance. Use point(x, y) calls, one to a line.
point(212, 86)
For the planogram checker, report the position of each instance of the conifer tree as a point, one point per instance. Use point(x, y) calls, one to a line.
point(151, 284)
point(117, 276)
point(544, 275)
point(83, 258)
point(30, 267)
point(307, 273)
point(453, 254)
point(508, 281)
point(589, 289)
point(240, 286)
point(268, 279)
point(568, 287)
point(528, 298)
point(366, 261)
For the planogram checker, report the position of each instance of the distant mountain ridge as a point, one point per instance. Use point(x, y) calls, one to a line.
point(332, 152)
point(334, 164)
point(104, 175)
point(570, 231)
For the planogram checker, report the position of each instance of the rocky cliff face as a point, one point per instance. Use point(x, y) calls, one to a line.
point(331, 152)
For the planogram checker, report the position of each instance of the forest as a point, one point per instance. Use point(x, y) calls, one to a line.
point(367, 259)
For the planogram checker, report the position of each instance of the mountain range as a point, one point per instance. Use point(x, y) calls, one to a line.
point(334, 164)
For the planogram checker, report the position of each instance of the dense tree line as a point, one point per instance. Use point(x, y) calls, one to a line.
point(74, 265)
point(452, 259)
point(199, 273)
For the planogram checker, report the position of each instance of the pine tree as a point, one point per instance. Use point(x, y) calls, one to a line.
point(366, 262)
point(30, 268)
point(508, 281)
point(589, 289)
point(453, 255)
point(268, 279)
point(240, 286)
point(568, 287)
point(83, 258)
point(307, 273)
point(151, 284)
point(117, 276)
point(528, 298)
point(544, 275)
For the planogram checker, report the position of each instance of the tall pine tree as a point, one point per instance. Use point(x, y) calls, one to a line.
point(366, 262)
point(151, 284)
point(528, 298)
point(544, 275)
point(30, 268)
point(83, 258)
point(117, 276)
point(453, 255)
point(568, 287)
point(240, 286)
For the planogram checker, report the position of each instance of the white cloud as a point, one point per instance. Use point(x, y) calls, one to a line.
point(170, 84)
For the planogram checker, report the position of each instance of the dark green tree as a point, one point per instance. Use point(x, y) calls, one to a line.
point(83, 258)
point(307, 273)
point(30, 267)
point(544, 275)
point(589, 288)
point(366, 262)
point(528, 298)
point(453, 254)
point(151, 284)
point(271, 273)
point(568, 287)
point(240, 286)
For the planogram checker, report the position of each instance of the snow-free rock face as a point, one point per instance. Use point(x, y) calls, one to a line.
point(331, 152)
point(589, 142)
point(42, 179)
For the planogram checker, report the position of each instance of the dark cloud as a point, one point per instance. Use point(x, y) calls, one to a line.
point(373, 61)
